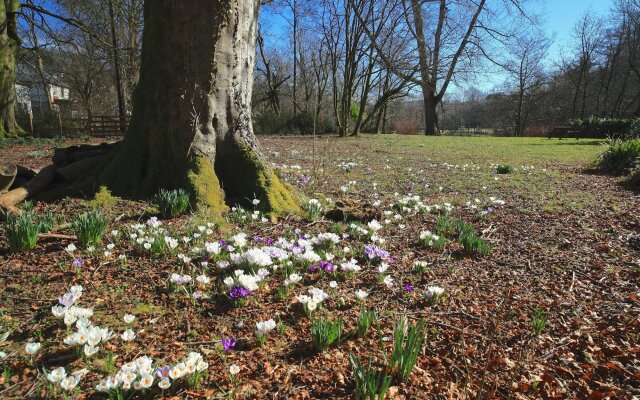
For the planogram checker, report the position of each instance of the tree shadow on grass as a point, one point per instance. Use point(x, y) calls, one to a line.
point(570, 142)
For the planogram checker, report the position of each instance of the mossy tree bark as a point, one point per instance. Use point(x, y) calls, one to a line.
point(9, 43)
point(191, 124)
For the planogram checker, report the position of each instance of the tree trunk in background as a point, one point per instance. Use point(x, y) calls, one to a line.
point(9, 43)
point(43, 79)
point(191, 124)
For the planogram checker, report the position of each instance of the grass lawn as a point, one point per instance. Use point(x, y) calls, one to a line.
point(526, 282)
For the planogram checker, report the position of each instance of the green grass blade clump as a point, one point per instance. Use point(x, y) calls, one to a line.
point(172, 203)
point(367, 317)
point(370, 384)
point(89, 228)
point(407, 344)
point(325, 333)
point(22, 231)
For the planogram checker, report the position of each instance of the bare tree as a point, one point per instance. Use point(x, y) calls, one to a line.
point(525, 67)
point(273, 79)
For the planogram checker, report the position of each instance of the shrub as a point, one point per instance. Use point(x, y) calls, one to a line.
point(609, 127)
point(102, 198)
point(172, 203)
point(504, 169)
point(325, 333)
point(620, 157)
point(406, 127)
point(22, 231)
point(89, 228)
point(633, 179)
point(407, 344)
point(370, 383)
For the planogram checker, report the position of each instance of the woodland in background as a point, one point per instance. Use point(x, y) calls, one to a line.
point(352, 66)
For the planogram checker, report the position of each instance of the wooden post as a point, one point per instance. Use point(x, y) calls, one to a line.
point(60, 121)
point(31, 122)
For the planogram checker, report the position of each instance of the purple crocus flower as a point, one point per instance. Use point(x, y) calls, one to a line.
point(257, 239)
point(410, 187)
point(373, 252)
point(228, 344)
point(268, 241)
point(327, 266)
point(67, 299)
point(77, 263)
point(313, 268)
point(408, 288)
point(163, 372)
point(239, 292)
point(303, 180)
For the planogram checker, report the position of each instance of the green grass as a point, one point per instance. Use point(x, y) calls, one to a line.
point(394, 161)
point(506, 150)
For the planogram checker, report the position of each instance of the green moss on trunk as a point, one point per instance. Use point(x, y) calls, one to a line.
point(205, 187)
point(244, 176)
point(9, 43)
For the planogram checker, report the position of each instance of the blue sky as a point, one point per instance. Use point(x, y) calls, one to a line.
point(562, 15)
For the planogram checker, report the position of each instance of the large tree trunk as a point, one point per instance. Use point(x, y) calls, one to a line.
point(430, 115)
point(191, 123)
point(9, 43)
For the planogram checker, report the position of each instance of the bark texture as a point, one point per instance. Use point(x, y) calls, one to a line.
point(191, 124)
point(8, 174)
point(9, 43)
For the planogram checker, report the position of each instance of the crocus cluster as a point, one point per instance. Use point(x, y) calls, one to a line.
point(325, 266)
point(375, 253)
point(59, 377)
point(430, 239)
point(244, 280)
point(434, 294)
point(141, 374)
point(263, 328)
point(312, 301)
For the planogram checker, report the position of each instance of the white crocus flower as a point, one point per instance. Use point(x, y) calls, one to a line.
point(146, 381)
point(69, 383)
point(90, 350)
point(57, 375)
point(264, 327)
point(32, 348)
point(129, 318)
point(128, 335)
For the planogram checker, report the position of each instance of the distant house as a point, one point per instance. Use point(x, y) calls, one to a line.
point(31, 92)
point(31, 97)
